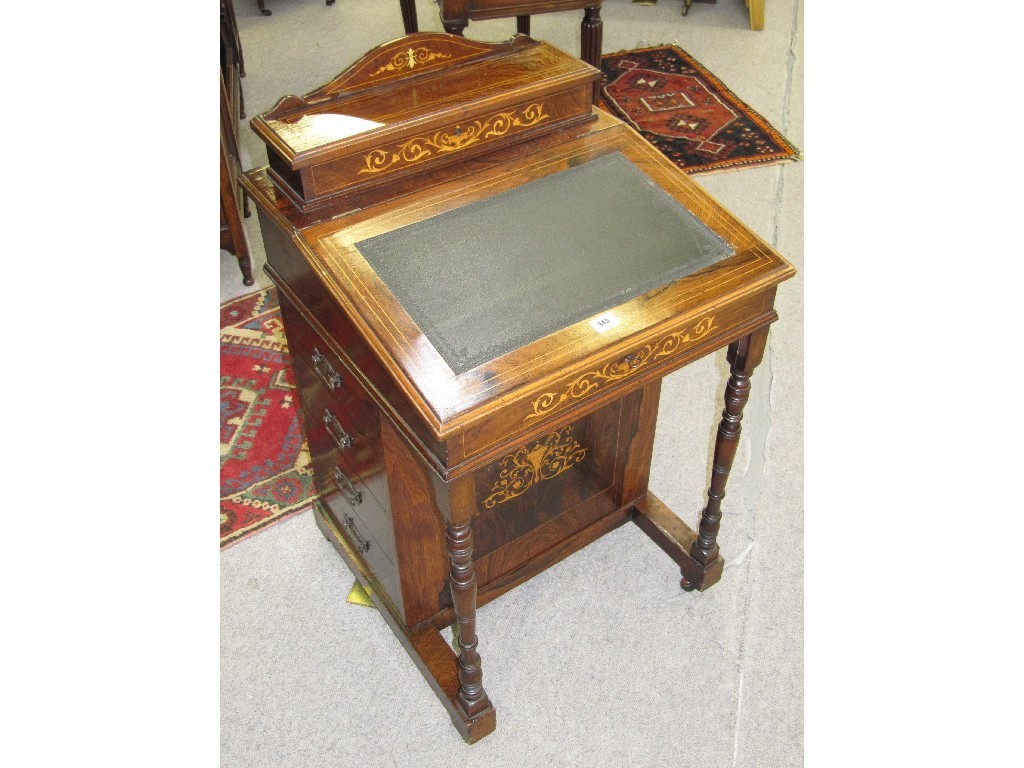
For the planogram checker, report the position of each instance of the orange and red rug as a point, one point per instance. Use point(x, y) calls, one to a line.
point(265, 474)
point(686, 112)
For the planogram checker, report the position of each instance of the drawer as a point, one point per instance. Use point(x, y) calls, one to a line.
point(347, 501)
point(339, 442)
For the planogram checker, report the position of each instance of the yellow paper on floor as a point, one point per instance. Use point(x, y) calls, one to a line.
point(359, 596)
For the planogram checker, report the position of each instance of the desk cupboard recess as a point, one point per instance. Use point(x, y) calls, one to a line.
point(443, 490)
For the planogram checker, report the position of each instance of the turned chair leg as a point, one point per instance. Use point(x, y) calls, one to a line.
point(744, 356)
point(590, 41)
point(462, 580)
point(409, 20)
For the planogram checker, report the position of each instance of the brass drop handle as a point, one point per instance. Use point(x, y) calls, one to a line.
point(362, 544)
point(326, 371)
point(352, 496)
point(335, 430)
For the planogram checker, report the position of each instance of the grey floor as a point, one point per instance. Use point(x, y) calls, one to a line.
point(601, 660)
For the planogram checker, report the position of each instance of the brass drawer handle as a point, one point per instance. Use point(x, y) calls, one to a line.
point(633, 360)
point(363, 545)
point(352, 496)
point(335, 430)
point(326, 371)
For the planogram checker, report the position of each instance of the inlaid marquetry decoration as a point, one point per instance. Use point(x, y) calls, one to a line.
point(620, 369)
point(410, 58)
point(454, 139)
point(529, 466)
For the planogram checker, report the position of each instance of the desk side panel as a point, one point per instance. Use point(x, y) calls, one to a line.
point(295, 278)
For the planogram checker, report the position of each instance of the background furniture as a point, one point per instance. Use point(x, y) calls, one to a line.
point(453, 465)
point(233, 203)
point(266, 11)
point(456, 15)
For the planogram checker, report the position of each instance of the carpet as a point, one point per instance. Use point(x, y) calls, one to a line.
point(265, 472)
point(686, 112)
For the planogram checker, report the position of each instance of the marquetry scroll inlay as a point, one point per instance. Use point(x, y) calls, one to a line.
point(454, 139)
point(526, 467)
point(620, 369)
point(410, 58)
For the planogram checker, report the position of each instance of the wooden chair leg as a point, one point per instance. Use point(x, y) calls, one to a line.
point(263, 7)
point(409, 20)
point(591, 31)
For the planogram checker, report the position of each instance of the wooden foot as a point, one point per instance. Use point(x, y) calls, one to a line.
point(523, 25)
point(675, 538)
point(426, 646)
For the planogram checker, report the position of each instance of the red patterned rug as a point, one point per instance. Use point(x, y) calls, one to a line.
point(265, 475)
point(686, 112)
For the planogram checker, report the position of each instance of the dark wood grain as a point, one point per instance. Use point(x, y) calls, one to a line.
point(419, 528)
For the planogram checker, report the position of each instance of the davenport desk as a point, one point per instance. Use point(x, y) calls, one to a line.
point(483, 282)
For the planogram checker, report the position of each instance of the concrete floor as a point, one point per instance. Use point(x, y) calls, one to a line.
point(616, 666)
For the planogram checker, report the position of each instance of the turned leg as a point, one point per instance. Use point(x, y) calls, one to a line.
point(409, 16)
point(263, 8)
point(523, 25)
point(744, 356)
point(590, 41)
point(462, 579)
point(245, 264)
point(454, 27)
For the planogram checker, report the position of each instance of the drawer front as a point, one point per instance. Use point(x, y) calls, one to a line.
point(343, 431)
point(339, 443)
point(456, 141)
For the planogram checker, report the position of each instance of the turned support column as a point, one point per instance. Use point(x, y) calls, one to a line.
point(744, 356)
point(462, 580)
point(590, 41)
point(409, 20)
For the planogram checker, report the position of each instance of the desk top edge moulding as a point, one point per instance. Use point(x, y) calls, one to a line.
point(483, 281)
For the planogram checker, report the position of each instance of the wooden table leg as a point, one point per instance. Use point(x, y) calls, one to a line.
point(471, 695)
point(590, 41)
point(523, 25)
point(744, 356)
point(697, 553)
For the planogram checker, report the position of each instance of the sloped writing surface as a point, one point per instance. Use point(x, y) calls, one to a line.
point(497, 274)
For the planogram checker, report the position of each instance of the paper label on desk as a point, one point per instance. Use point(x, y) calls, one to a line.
point(602, 323)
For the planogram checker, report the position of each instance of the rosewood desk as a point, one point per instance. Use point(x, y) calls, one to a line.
point(483, 282)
